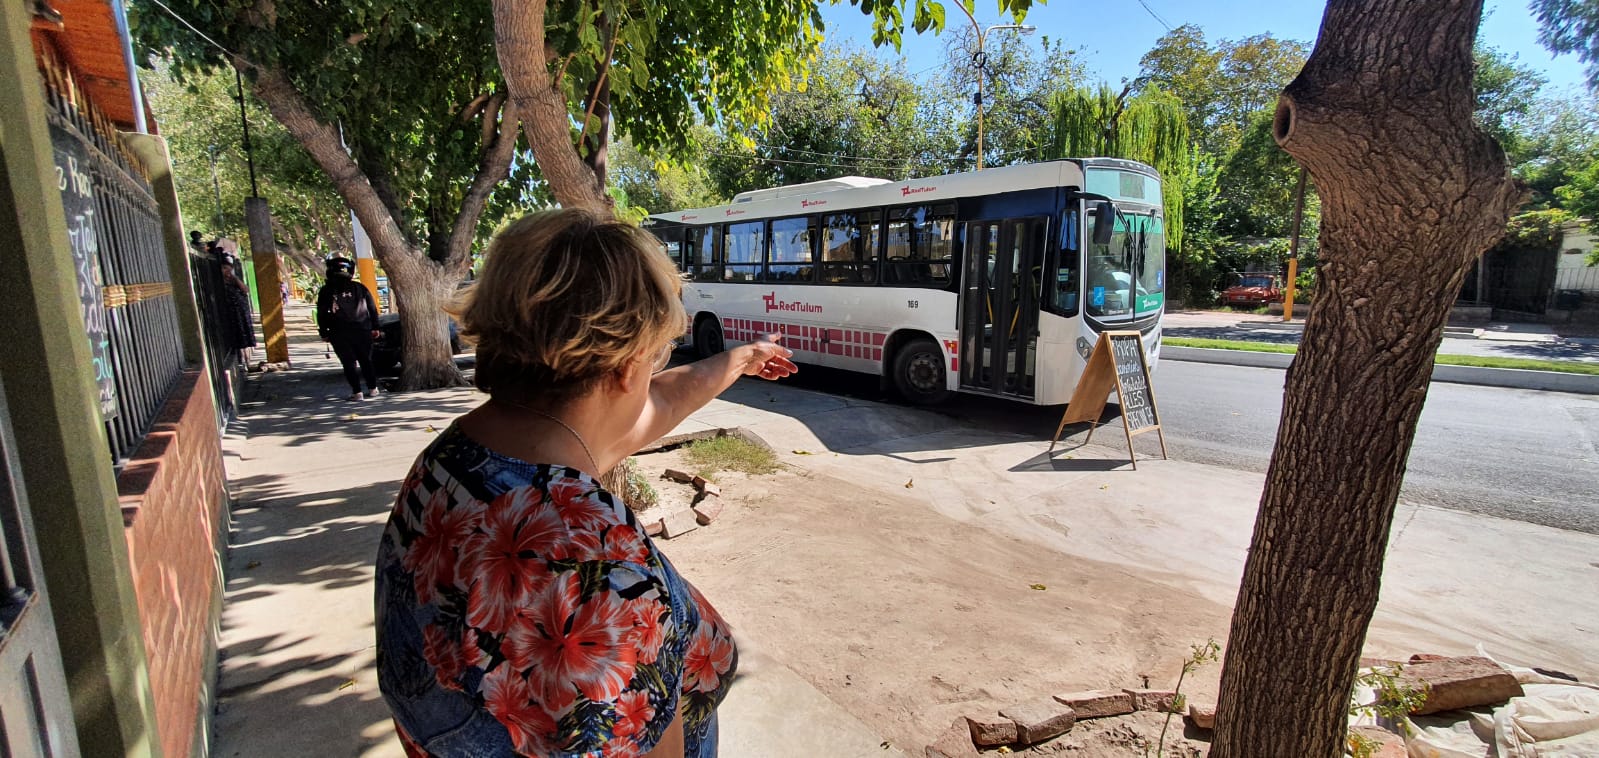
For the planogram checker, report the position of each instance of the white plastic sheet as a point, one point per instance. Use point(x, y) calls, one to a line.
point(1556, 718)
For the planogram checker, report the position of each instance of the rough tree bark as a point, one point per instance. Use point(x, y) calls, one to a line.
point(422, 283)
point(519, 42)
point(1412, 193)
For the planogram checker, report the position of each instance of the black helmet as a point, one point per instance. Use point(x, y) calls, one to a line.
point(340, 267)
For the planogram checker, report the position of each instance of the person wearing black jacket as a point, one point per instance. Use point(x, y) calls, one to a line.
point(347, 318)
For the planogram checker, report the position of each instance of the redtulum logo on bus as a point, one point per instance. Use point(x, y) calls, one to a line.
point(734, 212)
point(810, 203)
point(793, 306)
point(909, 190)
point(687, 217)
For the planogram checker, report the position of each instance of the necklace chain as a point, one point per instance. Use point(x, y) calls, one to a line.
point(564, 425)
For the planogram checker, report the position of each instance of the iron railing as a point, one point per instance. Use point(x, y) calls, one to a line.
point(119, 254)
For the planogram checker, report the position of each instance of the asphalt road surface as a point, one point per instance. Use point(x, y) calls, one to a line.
point(1517, 454)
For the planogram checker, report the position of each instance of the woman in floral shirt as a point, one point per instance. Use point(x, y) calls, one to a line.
point(521, 610)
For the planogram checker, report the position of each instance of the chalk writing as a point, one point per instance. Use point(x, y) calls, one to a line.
point(76, 185)
point(1133, 373)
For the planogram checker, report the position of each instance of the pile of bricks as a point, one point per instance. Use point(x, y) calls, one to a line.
point(1035, 721)
point(1449, 684)
point(706, 508)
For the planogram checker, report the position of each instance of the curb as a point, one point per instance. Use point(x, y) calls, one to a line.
point(1547, 381)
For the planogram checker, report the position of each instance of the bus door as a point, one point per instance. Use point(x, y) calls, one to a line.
point(1000, 286)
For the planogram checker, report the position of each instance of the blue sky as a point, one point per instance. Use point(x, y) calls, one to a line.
point(1114, 34)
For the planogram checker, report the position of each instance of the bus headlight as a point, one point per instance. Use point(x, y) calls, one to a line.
point(1084, 347)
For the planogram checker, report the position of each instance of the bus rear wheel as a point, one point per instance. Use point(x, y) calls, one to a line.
point(919, 373)
point(708, 338)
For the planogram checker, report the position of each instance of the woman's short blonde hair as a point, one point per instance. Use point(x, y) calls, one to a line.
point(566, 298)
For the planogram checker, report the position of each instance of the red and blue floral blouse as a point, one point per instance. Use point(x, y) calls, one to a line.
point(521, 610)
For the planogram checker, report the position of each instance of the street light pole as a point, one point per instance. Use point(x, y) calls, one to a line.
point(979, 61)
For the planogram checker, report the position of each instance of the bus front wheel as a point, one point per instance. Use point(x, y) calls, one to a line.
point(919, 373)
point(708, 338)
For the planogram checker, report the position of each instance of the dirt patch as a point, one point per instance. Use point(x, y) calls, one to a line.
point(1122, 736)
point(909, 619)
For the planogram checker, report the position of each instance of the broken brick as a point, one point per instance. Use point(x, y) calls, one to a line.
point(677, 476)
point(679, 523)
point(1462, 682)
point(1203, 716)
point(954, 742)
point(707, 511)
point(1039, 720)
point(1095, 704)
point(988, 731)
point(1159, 701)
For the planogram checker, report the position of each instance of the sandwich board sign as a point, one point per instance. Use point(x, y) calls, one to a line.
point(1117, 363)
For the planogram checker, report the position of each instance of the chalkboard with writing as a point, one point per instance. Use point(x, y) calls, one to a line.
point(1118, 365)
point(1132, 373)
point(74, 180)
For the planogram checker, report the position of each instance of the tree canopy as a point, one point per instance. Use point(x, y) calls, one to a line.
point(1149, 126)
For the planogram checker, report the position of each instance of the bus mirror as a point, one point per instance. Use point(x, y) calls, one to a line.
point(1104, 222)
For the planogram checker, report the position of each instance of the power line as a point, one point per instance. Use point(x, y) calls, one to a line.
point(842, 156)
point(1155, 15)
point(196, 30)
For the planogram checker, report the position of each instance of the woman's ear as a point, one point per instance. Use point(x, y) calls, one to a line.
point(626, 377)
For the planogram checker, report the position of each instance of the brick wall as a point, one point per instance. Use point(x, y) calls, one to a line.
point(174, 505)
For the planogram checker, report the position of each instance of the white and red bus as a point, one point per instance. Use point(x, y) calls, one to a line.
point(995, 282)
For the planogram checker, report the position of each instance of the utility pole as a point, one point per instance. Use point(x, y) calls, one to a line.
point(263, 249)
point(1293, 249)
point(980, 62)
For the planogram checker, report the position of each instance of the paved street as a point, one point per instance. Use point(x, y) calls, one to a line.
point(1518, 454)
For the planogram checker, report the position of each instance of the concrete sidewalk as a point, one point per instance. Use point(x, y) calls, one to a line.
point(315, 479)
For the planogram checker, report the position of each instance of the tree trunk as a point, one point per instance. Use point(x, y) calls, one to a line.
point(421, 290)
point(1412, 193)
point(519, 42)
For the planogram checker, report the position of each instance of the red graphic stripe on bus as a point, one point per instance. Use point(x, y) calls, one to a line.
point(848, 343)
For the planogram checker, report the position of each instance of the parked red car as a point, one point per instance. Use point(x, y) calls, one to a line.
point(1253, 290)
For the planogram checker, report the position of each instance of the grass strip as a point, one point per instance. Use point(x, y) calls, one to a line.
point(729, 453)
point(1477, 361)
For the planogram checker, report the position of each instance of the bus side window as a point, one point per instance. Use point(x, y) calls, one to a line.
point(849, 247)
point(1062, 299)
point(743, 248)
point(703, 263)
point(793, 252)
point(921, 246)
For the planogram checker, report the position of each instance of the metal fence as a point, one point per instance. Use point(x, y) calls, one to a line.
point(124, 285)
point(1585, 279)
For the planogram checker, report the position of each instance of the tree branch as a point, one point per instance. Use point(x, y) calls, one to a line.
point(519, 43)
point(496, 165)
point(598, 87)
point(472, 109)
point(321, 141)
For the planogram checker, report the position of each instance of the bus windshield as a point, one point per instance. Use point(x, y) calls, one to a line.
point(1126, 279)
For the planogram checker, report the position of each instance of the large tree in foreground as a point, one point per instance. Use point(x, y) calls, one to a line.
point(400, 105)
point(1412, 193)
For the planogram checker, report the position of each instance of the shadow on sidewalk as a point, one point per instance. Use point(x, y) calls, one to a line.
point(297, 625)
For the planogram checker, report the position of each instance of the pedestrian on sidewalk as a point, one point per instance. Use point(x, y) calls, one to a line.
point(347, 318)
point(238, 325)
point(521, 610)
